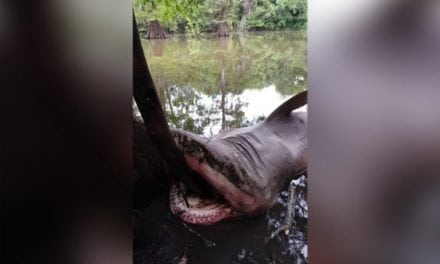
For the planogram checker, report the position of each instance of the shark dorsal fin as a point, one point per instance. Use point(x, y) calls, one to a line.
point(287, 107)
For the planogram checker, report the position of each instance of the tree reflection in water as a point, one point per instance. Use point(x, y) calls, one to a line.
point(202, 82)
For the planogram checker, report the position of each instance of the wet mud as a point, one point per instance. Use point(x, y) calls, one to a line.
point(160, 237)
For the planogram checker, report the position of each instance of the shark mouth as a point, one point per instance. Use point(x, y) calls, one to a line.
point(224, 199)
point(197, 210)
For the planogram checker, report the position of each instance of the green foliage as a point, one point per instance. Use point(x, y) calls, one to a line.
point(278, 14)
point(196, 16)
point(173, 15)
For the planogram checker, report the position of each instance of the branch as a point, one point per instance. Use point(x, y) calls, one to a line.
point(146, 98)
point(289, 221)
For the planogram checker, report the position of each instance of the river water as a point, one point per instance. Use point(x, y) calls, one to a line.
point(207, 85)
point(212, 83)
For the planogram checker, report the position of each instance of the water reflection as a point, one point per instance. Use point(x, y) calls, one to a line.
point(206, 85)
point(194, 111)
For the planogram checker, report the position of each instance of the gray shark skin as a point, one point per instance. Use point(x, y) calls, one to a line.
point(246, 167)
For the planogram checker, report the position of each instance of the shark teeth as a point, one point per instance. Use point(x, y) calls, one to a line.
point(196, 210)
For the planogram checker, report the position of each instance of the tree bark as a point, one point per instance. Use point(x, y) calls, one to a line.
point(147, 167)
point(146, 99)
point(223, 29)
point(247, 7)
point(155, 31)
point(242, 24)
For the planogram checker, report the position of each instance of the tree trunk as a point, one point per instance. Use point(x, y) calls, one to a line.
point(146, 99)
point(223, 29)
point(155, 31)
point(242, 24)
point(148, 167)
point(247, 7)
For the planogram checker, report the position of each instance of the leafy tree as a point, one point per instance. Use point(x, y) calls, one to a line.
point(174, 15)
point(278, 14)
point(196, 16)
